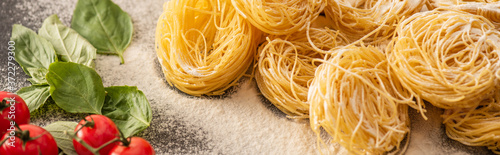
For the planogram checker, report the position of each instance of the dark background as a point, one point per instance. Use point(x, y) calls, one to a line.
point(9, 15)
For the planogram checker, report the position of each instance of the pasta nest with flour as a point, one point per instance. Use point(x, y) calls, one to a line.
point(198, 42)
point(490, 11)
point(280, 17)
point(370, 20)
point(449, 58)
point(446, 3)
point(357, 101)
point(476, 126)
point(287, 64)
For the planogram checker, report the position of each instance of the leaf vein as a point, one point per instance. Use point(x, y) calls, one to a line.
point(104, 29)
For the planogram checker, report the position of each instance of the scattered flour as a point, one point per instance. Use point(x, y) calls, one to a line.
point(239, 123)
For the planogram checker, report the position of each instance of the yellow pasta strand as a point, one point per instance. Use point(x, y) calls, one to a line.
point(476, 126)
point(445, 3)
point(449, 58)
point(357, 18)
point(280, 17)
point(204, 47)
point(357, 101)
point(490, 11)
point(286, 67)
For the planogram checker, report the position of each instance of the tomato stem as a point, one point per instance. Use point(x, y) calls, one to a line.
point(107, 143)
point(18, 133)
point(90, 124)
point(125, 141)
point(24, 135)
point(73, 136)
point(4, 103)
point(95, 151)
point(87, 123)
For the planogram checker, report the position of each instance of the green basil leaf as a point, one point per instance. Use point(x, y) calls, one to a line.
point(38, 75)
point(68, 44)
point(33, 52)
point(34, 95)
point(129, 108)
point(76, 88)
point(64, 142)
point(104, 24)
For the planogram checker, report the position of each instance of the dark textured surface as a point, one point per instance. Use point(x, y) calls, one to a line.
point(10, 15)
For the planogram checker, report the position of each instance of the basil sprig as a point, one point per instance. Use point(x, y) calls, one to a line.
point(60, 61)
point(77, 88)
point(35, 53)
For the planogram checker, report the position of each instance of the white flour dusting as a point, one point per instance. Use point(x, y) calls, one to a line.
point(237, 124)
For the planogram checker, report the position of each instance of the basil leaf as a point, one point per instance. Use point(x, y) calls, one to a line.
point(32, 52)
point(64, 142)
point(68, 44)
point(76, 88)
point(104, 24)
point(129, 108)
point(34, 95)
point(38, 75)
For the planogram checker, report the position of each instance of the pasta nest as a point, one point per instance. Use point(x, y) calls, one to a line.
point(286, 67)
point(490, 11)
point(476, 126)
point(445, 3)
point(204, 47)
point(357, 101)
point(370, 20)
point(449, 58)
point(280, 17)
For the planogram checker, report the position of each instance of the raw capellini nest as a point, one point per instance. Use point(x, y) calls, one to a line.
point(198, 44)
point(287, 64)
point(449, 58)
point(445, 3)
point(490, 11)
point(370, 20)
point(357, 100)
point(279, 17)
point(476, 126)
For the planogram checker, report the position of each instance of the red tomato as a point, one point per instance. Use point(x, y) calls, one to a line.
point(13, 107)
point(101, 131)
point(36, 140)
point(136, 146)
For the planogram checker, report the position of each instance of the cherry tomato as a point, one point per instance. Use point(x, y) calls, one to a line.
point(13, 108)
point(30, 140)
point(136, 145)
point(96, 130)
